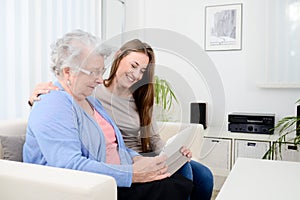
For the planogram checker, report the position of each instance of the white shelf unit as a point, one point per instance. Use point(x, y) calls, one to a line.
point(221, 148)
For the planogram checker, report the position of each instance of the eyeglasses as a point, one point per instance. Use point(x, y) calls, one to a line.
point(93, 73)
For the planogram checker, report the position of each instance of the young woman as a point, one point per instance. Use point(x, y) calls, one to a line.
point(128, 96)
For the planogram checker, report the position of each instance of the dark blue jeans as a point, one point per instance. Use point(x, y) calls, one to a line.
point(202, 178)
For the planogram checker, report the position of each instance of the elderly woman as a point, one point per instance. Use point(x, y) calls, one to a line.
point(69, 128)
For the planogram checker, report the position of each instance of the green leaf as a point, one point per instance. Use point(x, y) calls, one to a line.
point(286, 128)
point(164, 94)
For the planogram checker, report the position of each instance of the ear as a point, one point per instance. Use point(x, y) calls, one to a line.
point(66, 72)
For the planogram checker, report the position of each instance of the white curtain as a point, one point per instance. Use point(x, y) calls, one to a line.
point(28, 27)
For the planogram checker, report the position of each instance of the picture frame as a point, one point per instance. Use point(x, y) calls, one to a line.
point(223, 27)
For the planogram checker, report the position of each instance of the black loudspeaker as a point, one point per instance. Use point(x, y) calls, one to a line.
point(298, 122)
point(199, 114)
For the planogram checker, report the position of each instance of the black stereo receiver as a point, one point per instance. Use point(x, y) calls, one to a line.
point(251, 123)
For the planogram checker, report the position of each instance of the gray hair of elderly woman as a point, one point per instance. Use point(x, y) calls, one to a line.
point(67, 51)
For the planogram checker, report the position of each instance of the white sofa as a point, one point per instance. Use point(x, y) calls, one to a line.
point(25, 181)
point(20, 180)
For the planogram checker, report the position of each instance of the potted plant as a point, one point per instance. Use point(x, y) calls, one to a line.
point(287, 128)
point(164, 99)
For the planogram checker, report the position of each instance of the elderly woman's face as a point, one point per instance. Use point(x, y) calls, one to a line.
point(131, 69)
point(88, 77)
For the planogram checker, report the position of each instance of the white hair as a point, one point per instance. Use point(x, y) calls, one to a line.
point(66, 51)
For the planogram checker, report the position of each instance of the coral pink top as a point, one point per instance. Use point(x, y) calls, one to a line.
point(112, 155)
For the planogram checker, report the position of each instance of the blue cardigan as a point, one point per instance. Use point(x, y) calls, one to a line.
point(61, 134)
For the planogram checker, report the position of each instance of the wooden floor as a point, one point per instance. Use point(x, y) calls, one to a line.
point(214, 194)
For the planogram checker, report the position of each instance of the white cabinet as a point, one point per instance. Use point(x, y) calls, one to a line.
point(289, 152)
point(216, 153)
point(250, 148)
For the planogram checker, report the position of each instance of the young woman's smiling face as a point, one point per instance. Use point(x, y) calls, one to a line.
point(131, 69)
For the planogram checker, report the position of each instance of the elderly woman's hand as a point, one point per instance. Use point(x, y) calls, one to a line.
point(41, 88)
point(146, 169)
point(136, 158)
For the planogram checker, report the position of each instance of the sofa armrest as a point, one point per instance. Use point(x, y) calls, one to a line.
point(169, 129)
point(29, 182)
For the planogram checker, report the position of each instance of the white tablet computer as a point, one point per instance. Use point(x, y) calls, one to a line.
point(172, 148)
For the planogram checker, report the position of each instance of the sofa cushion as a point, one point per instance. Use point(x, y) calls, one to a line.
point(12, 147)
point(12, 128)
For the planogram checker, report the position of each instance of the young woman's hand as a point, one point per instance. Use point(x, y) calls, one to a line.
point(147, 169)
point(186, 152)
point(41, 88)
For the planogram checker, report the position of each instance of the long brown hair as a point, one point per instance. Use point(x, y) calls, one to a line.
point(143, 90)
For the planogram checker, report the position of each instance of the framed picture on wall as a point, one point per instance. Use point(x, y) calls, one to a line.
point(223, 27)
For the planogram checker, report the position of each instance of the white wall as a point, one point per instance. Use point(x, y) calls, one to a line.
point(241, 72)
